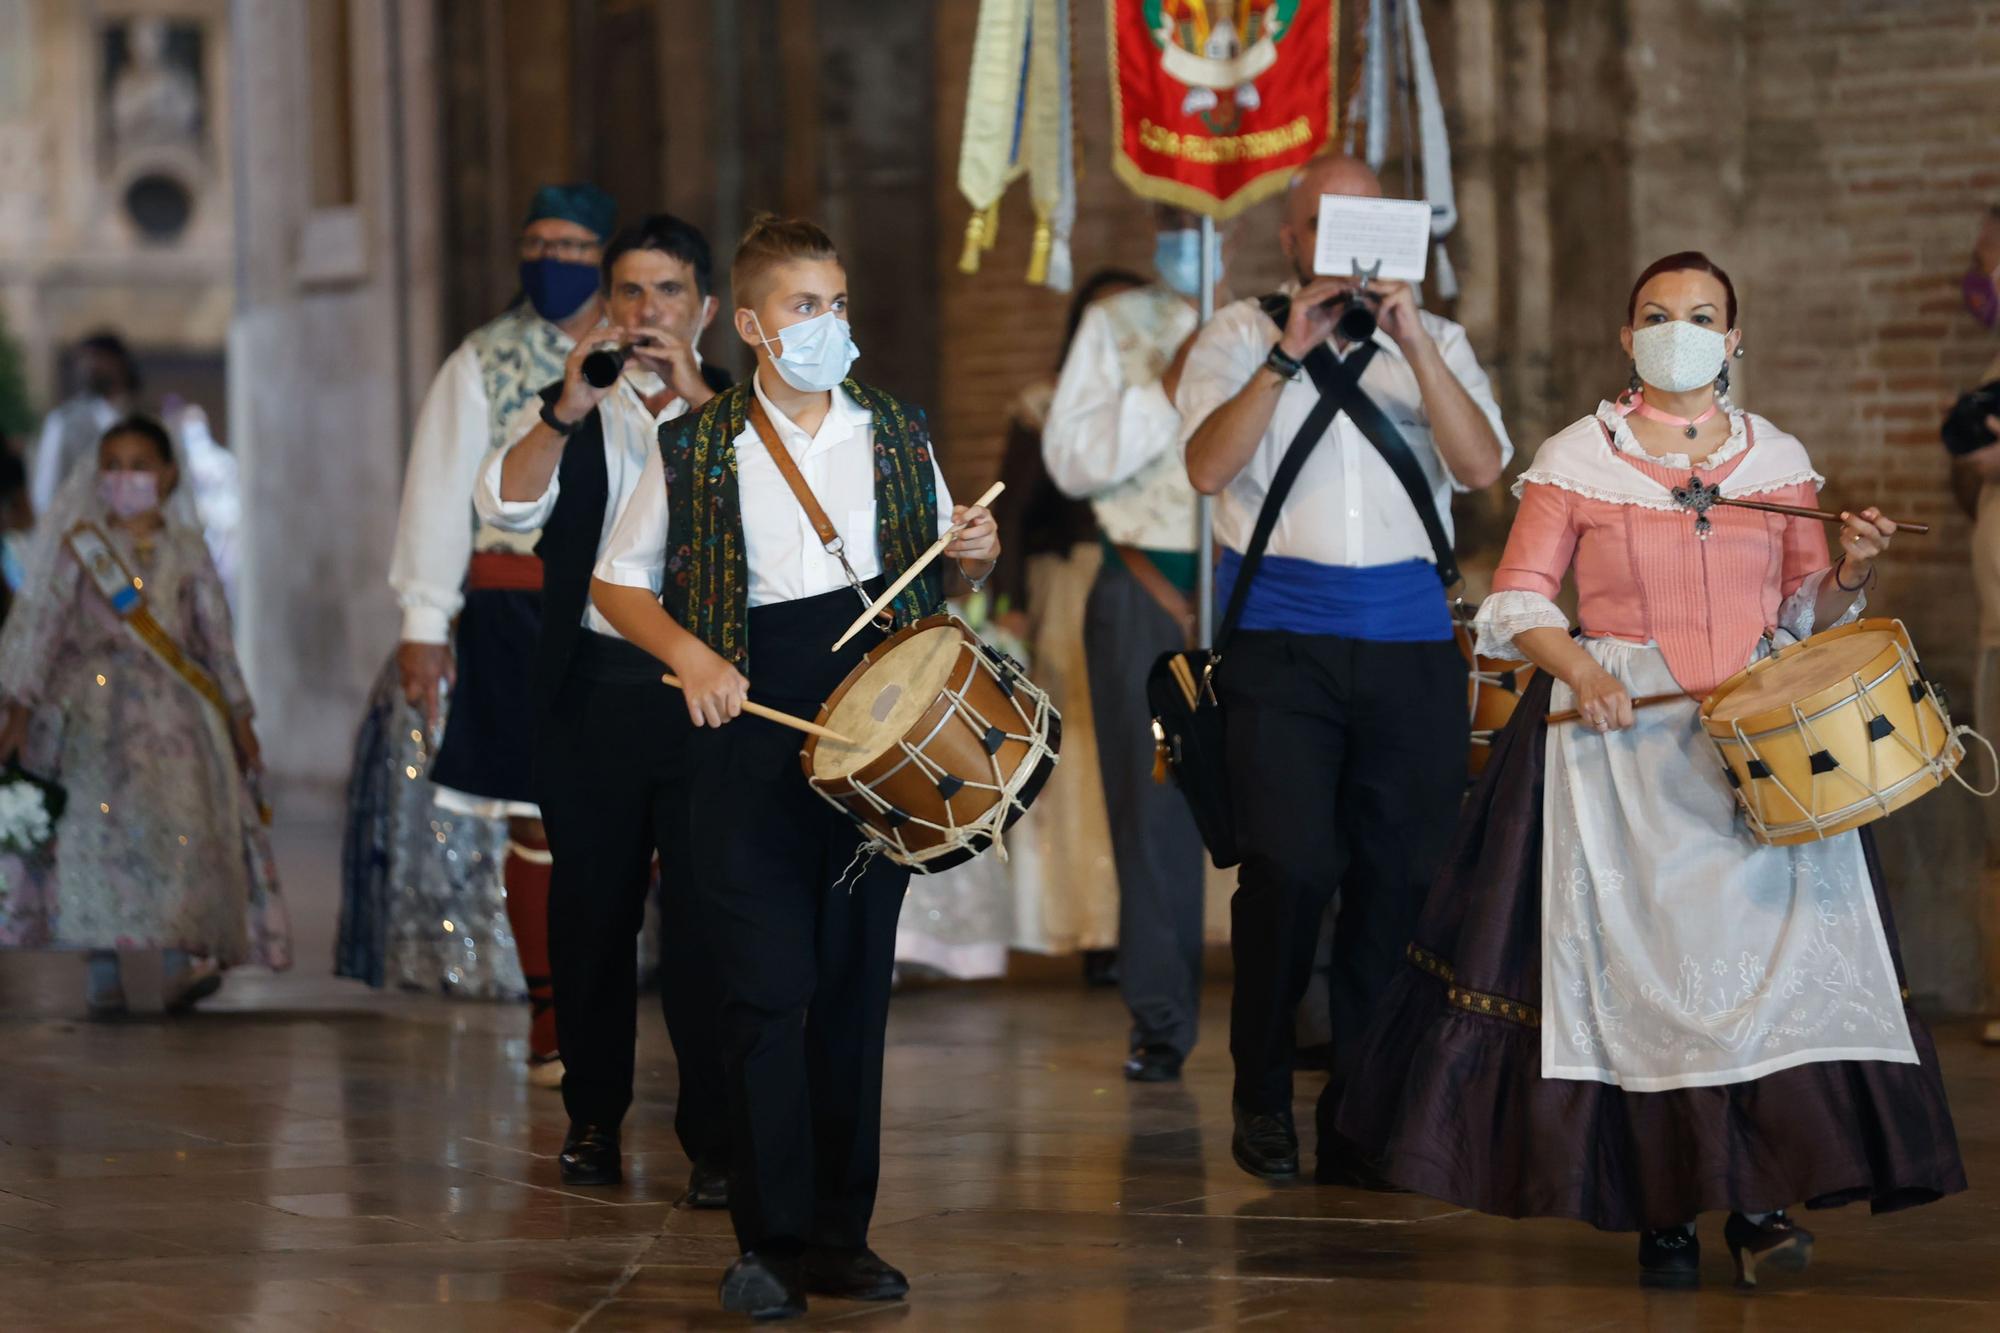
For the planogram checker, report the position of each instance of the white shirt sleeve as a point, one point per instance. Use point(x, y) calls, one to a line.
point(1224, 357)
point(515, 515)
point(45, 473)
point(1101, 430)
point(434, 530)
point(1456, 349)
point(635, 555)
point(944, 500)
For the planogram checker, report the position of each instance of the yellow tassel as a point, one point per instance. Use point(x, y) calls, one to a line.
point(968, 259)
point(992, 232)
point(1038, 257)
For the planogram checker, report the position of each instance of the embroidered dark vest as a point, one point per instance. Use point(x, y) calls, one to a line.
point(707, 583)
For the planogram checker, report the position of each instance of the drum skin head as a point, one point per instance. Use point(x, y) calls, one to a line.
point(1805, 670)
point(880, 706)
point(1830, 734)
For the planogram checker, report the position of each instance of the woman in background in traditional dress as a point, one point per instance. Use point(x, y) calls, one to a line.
point(121, 684)
point(1620, 1008)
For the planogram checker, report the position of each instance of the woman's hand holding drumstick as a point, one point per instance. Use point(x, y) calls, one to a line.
point(973, 536)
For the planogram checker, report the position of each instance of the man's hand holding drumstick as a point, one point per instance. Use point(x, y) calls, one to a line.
point(977, 544)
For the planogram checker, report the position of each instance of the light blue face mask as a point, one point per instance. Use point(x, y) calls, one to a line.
point(813, 355)
point(1177, 258)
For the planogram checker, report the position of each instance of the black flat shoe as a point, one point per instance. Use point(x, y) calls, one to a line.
point(1100, 968)
point(1777, 1241)
point(765, 1287)
point(708, 1186)
point(852, 1275)
point(1266, 1145)
point(1153, 1064)
point(590, 1156)
point(1669, 1258)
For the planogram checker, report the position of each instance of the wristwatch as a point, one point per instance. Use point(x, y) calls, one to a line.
point(1281, 365)
point(556, 423)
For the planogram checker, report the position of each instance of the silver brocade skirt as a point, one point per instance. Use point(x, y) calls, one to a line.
point(422, 903)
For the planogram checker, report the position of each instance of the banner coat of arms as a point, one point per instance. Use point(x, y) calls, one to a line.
point(1215, 103)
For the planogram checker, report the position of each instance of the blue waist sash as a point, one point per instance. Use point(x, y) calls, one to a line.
point(1399, 603)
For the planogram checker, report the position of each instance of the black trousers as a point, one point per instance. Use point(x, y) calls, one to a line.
point(804, 939)
point(612, 769)
point(1346, 764)
point(1160, 861)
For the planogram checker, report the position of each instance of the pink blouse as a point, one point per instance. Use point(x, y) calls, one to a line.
point(1643, 575)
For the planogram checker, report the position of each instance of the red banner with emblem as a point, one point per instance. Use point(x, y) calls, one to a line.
point(1215, 103)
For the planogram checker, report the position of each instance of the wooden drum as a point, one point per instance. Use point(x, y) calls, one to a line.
point(952, 743)
point(1826, 735)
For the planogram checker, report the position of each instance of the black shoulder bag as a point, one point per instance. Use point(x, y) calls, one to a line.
point(1188, 719)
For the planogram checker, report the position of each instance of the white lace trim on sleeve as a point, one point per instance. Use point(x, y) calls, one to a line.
point(1796, 613)
point(1503, 615)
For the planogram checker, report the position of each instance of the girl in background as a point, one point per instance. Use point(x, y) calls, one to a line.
point(120, 682)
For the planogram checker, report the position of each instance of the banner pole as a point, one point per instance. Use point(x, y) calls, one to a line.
point(1204, 568)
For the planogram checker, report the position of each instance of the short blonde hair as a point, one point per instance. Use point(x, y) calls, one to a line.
point(771, 241)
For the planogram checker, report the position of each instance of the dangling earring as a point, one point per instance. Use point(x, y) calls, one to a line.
point(1635, 386)
point(1722, 381)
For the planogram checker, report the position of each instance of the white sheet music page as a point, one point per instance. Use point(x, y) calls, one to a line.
point(1393, 232)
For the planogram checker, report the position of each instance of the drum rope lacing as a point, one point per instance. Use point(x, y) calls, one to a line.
point(991, 824)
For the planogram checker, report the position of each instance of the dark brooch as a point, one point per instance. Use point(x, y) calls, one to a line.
point(1698, 497)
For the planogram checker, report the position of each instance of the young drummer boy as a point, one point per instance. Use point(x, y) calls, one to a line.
point(718, 569)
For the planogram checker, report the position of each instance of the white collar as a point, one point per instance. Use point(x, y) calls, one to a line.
point(843, 416)
point(1580, 459)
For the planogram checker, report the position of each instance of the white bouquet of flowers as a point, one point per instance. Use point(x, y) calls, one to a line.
point(29, 811)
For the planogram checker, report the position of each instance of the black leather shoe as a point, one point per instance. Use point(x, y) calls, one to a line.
point(1266, 1145)
point(764, 1286)
point(1100, 968)
point(1670, 1258)
point(853, 1275)
point(1777, 1241)
point(590, 1156)
point(1153, 1064)
point(708, 1186)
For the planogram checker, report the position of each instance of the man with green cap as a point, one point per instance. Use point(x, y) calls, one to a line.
point(447, 567)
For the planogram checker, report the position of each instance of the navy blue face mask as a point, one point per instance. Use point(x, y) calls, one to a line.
point(557, 288)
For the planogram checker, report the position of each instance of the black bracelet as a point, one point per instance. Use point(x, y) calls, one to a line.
point(556, 423)
point(1281, 365)
point(1841, 583)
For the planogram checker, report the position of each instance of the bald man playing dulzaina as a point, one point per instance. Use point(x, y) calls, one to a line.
point(1343, 687)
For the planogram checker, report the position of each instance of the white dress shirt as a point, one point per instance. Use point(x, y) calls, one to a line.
point(70, 435)
point(631, 436)
point(1112, 433)
point(785, 557)
point(1346, 508)
point(437, 532)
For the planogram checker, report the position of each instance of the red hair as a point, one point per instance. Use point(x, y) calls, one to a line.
point(1687, 261)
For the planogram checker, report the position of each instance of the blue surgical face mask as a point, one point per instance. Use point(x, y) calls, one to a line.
point(813, 355)
point(557, 288)
point(1177, 258)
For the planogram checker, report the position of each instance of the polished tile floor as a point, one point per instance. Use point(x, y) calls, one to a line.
point(305, 1154)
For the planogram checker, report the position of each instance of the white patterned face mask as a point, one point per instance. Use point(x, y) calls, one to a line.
point(1678, 356)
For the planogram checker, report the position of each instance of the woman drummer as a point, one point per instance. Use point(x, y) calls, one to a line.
point(1609, 962)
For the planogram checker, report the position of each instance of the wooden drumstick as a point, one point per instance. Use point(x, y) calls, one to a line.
point(1921, 529)
point(773, 715)
point(894, 590)
point(1643, 701)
